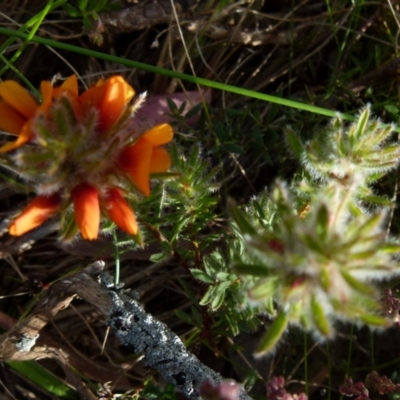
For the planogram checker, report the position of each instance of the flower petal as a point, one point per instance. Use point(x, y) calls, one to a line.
point(160, 160)
point(71, 83)
point(10, 120)
point(35, 213)
point(70, 88)
point(117, 96)
point(160, 134)
point(92, 97)
point(24, 137)
point(135, 160)
point(110, 97)
point(47, 95)
point(87, 210)
point(18, 98)
point(120, 212)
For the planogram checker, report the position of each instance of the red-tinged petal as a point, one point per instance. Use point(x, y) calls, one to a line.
point(24, 136)
point(120, 212)
point(87, 210)
point(160, 161)
point(92, 97)
point(18, 98)
point(35, 213)
point(136, 161)
point(160, 134)
point(10, 120)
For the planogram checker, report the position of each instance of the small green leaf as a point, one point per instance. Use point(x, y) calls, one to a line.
point(208, 296)
point(356, 284)
point(157, 257)
point(391, 108)
point(312, 243)
point(194, 111)
point(295, 143)
point(224, 276)
point(184, 317)
point(319, 317)
point(202, 276)
point(172, 106)
point(233, 148)
point(324, 278)
point(362, 123)
point(265, 289)
point(274, 334)
point(390, 248)
point(240, 219)
point(322, 218)
point(251, 269)
point(82, 4)
point(221, 131)
point(374, 320)
point(98, 5)
point(71, 10)
point(218, 300)
point(222, 287)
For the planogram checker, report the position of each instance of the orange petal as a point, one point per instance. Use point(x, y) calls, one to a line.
point(92, 97)
point(160, 160)
point(110, 97)
point(87, 210)
point(10, 120)
point(69, 86)
point(35, 213)
point(160, 134)
point(18, 98)
point(136, 161)
point(120, 212)
point(71, 83)
point(24, 137)
point(117, 96)
point(47, 95)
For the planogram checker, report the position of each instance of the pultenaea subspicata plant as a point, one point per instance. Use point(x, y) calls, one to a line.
point(77, 149)
point(314, 262)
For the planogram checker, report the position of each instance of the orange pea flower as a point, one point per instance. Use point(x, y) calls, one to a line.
point(35, 213)
point(87, 210)
point(120, 212)
point(78, 151)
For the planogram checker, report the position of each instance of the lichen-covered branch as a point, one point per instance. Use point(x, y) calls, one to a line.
point(163, 350)
point(138, 331)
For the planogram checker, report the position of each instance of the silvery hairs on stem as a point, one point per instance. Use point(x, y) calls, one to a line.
point(163, 350)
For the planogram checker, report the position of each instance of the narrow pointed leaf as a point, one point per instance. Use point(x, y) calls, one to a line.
point(202, 276)
point(356, 284)
point(319, 317)
point(239, 217)
point(274, 334)
point(251, 269)
point(295, 143)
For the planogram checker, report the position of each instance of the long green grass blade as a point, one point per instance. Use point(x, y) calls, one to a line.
point(178, 75)
point(43, 378)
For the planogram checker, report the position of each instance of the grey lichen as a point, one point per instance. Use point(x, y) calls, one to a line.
point(162, 349)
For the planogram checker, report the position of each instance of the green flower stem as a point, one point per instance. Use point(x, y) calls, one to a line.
point(117, 259)
point(178, 75)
